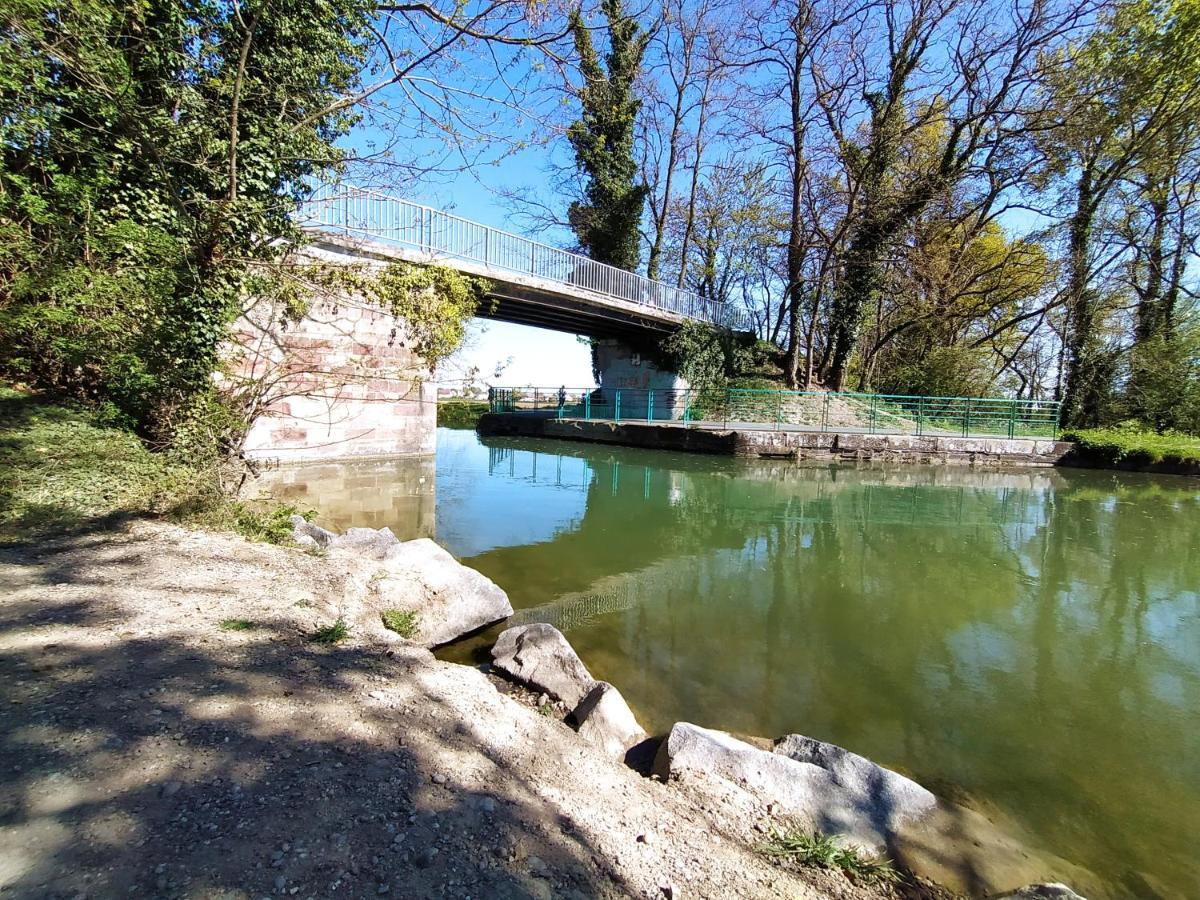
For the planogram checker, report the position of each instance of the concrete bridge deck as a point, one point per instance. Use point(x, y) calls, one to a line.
point(532, 283)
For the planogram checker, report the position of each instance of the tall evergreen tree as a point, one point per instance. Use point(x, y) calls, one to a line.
point(606, 219)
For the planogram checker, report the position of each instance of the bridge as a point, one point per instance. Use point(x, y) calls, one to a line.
point(531, 283)
point(345, 380)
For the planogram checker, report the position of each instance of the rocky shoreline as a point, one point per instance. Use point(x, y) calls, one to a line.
point(189, 715)
point(815, 786)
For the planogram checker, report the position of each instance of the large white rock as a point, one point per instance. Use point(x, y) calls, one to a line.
point(540, 656)
point(449, 599)
point(1050, 891)
point(368, 542)
point(884, 795)
point(306, 534)
point(605, 719)
point(808, 794)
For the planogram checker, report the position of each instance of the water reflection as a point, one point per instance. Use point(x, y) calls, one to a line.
point(1029, 639)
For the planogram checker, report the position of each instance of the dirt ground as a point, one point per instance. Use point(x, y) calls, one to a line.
point(148, 751)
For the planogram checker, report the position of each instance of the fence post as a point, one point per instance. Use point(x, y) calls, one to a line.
point(617, 407)
point(487, 246)
point(1012, 420)
point(825, 413)
point(920, 414)
point(650, 405)
point(778, 409)
point(536, 401)
point(967, 420)
point(687, 406)
point(587, 406)
point(874, 411)
point(725, 409)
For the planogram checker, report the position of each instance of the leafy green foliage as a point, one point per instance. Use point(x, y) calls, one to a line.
point(461, 414)
point(331, 634)
point(1134, 444)
point(824, 852)
point(401, 621)
point(710, 357)
point(606, 220)
point(150, 155)
point(435, 303)
point(1164, 385)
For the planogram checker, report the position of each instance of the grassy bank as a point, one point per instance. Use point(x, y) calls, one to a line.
point(1136, 448)
point(460, 413)
point(63, 467)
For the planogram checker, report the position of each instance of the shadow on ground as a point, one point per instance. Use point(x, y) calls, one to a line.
point(202, 762)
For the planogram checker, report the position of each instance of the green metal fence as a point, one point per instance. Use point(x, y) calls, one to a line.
point(790, 410)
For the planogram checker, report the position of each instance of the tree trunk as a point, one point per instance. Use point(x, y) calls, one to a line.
point(1081, 391)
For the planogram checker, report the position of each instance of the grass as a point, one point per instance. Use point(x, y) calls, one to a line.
point(63, 466)
point(460, 413)
point(1135, 445)
point(237, 625)
point(331, 634)
point(401, 621)
point(821, 851)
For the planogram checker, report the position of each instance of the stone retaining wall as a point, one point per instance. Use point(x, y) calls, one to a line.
point(936, 449)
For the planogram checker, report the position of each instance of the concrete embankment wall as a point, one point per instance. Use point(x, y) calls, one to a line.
point(976, 451)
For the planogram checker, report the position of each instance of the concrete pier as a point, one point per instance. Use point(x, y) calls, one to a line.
point(769, 443)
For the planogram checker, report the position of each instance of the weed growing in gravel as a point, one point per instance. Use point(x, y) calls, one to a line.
point(238, 625)
point(331, 634)
point(822, 851)
point(401, 621)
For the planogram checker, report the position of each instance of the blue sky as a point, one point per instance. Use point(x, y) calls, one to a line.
point(530, 356)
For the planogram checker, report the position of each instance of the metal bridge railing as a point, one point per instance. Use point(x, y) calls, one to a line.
point(441, 235)
point(791, 410)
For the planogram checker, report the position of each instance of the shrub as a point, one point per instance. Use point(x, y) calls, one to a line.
point(331, 634)
point(823, 852)
point(401, 621)
point(1134, 444)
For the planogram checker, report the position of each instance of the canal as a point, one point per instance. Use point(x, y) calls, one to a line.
point(1024, 642)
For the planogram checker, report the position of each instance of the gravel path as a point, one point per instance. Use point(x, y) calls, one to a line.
point(148, 751)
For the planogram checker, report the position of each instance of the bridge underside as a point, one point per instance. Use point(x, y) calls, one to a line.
point(541, 309)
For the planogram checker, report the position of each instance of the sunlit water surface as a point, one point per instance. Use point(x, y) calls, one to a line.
point(1026, 641)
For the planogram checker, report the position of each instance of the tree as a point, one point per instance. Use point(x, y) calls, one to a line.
point(1119, 97)
point(150, 156)
point(606, 220)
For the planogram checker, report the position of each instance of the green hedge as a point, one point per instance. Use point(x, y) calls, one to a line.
point(460, 413)
point(1130, 445)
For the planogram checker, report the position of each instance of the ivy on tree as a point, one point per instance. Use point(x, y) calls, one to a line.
point(607, 217)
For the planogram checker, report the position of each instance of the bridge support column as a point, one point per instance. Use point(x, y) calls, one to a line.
point(337, 383)
point(623, 367)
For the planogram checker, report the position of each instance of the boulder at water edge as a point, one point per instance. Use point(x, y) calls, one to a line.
point(448, 599)
point(310, 536)
point(540, 656)
point(604, 718)
point(1050, 891)
point(369, 542)
point(884, 795)
point(808, 794)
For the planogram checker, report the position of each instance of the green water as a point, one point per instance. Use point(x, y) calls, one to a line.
point(1026, 641)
